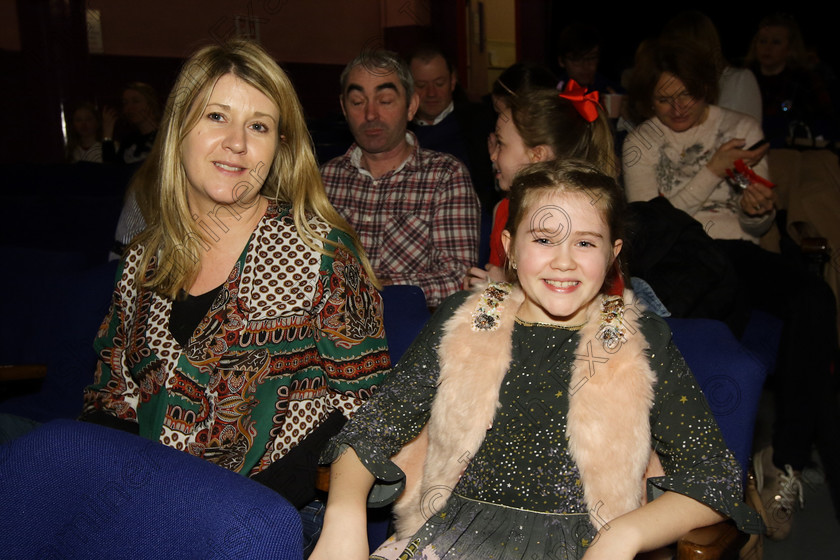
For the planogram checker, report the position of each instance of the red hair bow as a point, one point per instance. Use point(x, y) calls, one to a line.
point(585, 103)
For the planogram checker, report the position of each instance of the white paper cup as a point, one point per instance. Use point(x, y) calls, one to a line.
point(612, 104)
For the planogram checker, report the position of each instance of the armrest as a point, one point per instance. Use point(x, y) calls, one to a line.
point(18, 380)
point(720, 541)
point(322, 479)
point(815, 248)
point(816, 252)
point(724, 540)
point(22, 372)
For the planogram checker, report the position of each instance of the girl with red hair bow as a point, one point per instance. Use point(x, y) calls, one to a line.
point(542, 125)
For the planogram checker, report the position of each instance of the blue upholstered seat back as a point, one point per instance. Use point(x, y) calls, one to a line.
point(73, 490)
point(730, 375)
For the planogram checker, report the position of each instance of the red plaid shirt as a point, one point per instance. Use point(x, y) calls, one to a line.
point(419, 223)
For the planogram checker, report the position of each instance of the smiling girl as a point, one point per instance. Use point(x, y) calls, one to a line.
point(537, 405)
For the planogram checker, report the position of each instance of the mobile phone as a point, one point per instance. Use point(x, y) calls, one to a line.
point(757, 145)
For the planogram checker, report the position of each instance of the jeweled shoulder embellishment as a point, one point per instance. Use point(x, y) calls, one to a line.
point(611, 330)
point(488, 311)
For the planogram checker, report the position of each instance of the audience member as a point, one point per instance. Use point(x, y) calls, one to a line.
point(578, 55)
point(131, 221)
point(683, 153)
point(519, 77)
point(435, 79)
point(485, 417)
point(446, 121)
point(84, 135)
point(824, 71)
point(541, 125)
point(141, 110)
point(737, 87)
point(632, 117)
point(796, 102)
point(414, 209)
point(245, 324)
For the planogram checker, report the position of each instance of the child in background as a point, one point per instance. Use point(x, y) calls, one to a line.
point(540, 125)
point(84, 138)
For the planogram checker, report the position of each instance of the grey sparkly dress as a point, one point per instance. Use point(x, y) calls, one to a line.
point(520, 495)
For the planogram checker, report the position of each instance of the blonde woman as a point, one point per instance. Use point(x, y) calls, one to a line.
point(246, 324)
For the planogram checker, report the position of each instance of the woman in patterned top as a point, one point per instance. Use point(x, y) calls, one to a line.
point(521, 422)
point(245, 324)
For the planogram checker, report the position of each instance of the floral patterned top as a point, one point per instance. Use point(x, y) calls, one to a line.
point(292, 336)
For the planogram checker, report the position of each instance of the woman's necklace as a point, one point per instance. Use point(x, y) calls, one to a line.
point(550, 325)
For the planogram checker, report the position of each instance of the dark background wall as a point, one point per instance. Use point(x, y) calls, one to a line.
point(45, 64)
point(625, 25)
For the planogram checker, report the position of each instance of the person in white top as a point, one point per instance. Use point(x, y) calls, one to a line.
point(737, 87)
point(683, 152)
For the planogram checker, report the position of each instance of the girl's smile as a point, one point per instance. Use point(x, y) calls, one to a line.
point(561, 257)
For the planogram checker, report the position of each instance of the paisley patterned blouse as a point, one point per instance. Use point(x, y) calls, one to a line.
point(292, 336)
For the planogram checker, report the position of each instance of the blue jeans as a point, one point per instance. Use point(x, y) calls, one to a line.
point(312, 517)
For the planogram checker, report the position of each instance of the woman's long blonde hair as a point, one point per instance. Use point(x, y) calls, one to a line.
point(172, 236)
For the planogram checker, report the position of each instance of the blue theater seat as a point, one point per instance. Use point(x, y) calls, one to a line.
point(73, 490)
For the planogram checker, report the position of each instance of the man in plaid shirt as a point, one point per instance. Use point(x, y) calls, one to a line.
point(415, 210)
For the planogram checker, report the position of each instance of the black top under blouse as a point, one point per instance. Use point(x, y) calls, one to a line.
point(187, 313)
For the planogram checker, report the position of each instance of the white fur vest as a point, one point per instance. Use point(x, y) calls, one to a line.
point(608, 424)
